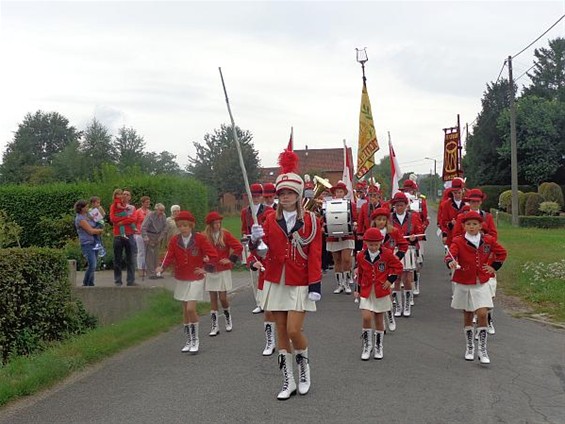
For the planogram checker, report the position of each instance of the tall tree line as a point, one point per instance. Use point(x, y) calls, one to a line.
point(540, 126)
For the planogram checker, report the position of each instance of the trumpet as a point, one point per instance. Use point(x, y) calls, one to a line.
point(321, 185)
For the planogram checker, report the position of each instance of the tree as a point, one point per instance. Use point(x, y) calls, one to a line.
point(538, 138)
point(70, 165)
point(548, 75)
point(97, 148)
point(216, 162)
point(36, 142)
point(481, 162)
point(163, 163)
point(129, 149)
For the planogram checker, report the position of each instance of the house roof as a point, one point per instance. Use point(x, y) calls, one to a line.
point(320, 160)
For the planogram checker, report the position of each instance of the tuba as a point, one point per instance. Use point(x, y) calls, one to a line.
point(321, 185)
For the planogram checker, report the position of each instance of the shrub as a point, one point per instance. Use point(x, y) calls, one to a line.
point(533, 203)
point(542, 221)
point(549, 208)
point(505, 200)
point(10, 231)
point(493, 193)
point(35, 301)
point(551, 192)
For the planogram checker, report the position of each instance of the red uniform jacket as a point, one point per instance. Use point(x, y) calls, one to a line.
point(364, 217)
point(302, 263)
point(372, 275)
point(187, 259)
point(115, 209)
point(251, 259)
point(247, 219)
point(472, 259)
point(411, 225)
point(487, 226)
point(353, 209)
point(232, 251)
point(449, 212)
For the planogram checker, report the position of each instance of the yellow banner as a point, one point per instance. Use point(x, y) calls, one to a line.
point(368, 143)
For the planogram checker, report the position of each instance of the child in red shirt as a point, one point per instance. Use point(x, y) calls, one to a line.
point(193, 256)
point(377, 269)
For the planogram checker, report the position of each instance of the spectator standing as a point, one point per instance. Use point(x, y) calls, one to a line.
point(140, 215)
point(122, 244)
point(153, 231)
point(86, 230)
point(172, 229)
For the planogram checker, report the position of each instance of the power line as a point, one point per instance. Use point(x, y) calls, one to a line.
point(501, 69)
point(525, 72)
point(533, 42)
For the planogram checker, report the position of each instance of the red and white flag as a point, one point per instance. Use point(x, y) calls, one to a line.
point(347, 177)
point(395, 172)
point(290, 146)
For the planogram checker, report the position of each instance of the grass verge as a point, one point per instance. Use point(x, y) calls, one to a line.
point(27, 375)
point(535, 268)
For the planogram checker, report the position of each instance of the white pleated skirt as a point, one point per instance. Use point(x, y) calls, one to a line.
point(470, 297)
point(375, 304)
point(186, 291)
point(492, 285)
point(280, 297)
point(218, 281)
point(336, 246)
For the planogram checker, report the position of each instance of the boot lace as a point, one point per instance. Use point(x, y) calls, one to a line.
point(301, 360)
point(282, 366)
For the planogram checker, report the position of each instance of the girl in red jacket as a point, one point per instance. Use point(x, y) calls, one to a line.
point(219, 282)
point(393, 240)
point(377, 269)
point(193, 256)
point(293, 272)
point(475, 258)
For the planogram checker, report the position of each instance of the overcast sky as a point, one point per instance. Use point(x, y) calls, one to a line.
point(153, 66)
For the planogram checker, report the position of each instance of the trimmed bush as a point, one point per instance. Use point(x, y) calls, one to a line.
point(505, 200)
point(542, 221)
point(533, 203)
point(44, 211)
point(549, 208)
point(493, 193)
point(551, 192)
point(35, 301)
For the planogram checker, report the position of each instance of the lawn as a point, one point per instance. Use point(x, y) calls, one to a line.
point(535, 268)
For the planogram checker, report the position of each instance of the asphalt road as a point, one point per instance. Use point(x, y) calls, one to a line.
point(423, 377)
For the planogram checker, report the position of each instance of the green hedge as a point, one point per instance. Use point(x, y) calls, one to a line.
point(35, 301)
point(493, 193)
point(531, 221)
point(43, 211)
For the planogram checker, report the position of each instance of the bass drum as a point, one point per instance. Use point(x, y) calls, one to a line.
point(338, 218)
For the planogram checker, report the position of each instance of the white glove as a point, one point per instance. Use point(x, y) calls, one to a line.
point(313, 296)
point(256, 232)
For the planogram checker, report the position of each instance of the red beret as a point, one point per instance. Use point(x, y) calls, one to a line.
point(185, 216)
point(256, 189)
point(410, 185)
point(472, 215)
point(269, 189)
point(374, 189)
point(475, 194)
point(340, 185)
point(457, 183)
point(213, 216)
point(380, 212)
point(373, 234)
point(399, 197)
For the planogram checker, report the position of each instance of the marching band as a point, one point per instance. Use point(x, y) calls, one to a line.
point(377, 248)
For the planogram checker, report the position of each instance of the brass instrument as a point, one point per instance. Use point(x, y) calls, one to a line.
point(321, 185)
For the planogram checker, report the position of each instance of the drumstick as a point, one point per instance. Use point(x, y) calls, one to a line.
point(166, 253)
point(449, 253)
point(415, 235)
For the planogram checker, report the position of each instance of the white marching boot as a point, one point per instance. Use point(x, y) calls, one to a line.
point(188, 345)
point(303, 370)
point(469, 343)
point(367, 340)
point(490, 328)
point(227, 316)
point(483, 354)
point(339, 278)
point(195, 339)
point(397, 303)
point(379, 352)
point(407, 311)
point(269, 338)
point(347, 282)
point(285, 365)
point(391, 321)
point(416, 290)
point(215, 329)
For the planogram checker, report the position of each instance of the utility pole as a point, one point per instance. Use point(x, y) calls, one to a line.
point(513, 148)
